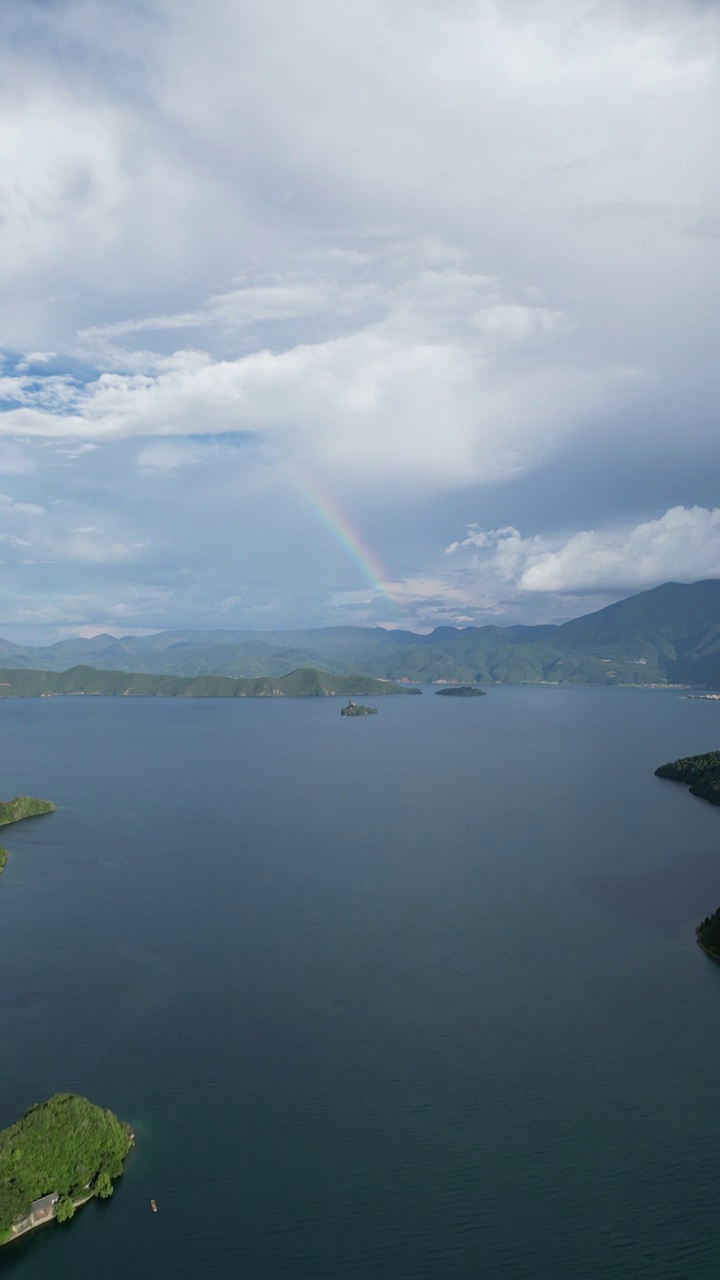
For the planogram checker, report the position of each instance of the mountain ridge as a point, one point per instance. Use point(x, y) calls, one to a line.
point(305, 682)
point(669, 634)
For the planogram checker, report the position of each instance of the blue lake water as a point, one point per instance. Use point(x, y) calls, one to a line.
point(415, 995)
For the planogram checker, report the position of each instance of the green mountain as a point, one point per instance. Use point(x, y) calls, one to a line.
point(668, 635)
point(303, 683)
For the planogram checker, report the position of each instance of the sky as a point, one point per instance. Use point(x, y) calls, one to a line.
point(397, 312)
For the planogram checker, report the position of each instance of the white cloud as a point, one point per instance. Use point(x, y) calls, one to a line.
point(9, 506)
point(450, 381)
point(683, 544)
point(14, 459)
point(168, 456)
point(79, 610)
point(455, 244)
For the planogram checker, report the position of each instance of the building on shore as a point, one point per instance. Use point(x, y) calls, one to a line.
point(41, 1210)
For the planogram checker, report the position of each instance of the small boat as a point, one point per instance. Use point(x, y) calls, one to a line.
point(153, 1206)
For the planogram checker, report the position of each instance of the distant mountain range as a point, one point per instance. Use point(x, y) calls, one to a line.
point(670, 635)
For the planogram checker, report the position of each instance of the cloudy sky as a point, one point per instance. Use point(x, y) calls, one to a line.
point(381, 311)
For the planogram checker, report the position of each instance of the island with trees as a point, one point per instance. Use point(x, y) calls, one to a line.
point(357, 709)
point(60, 1154)
point(17, 809)
point(461, 691)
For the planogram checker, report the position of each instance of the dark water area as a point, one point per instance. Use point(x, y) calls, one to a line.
point(412, 995)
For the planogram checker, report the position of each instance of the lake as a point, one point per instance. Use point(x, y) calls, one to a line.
point(412, 995)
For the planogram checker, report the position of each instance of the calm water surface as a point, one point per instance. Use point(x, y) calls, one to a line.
point(411, 996)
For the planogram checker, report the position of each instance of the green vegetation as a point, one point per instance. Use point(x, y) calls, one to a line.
point(66, 1146)
point(700, 773)
point(305, 682)
point(461, 691)
point(23, 807)
point(103, 1186)
point(668, 635)
point(65, 1209)
point(356, 709)
point(17, 809)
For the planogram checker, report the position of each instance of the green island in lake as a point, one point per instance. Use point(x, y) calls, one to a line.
point(702, 775)
point(60, 1154)
point(17, 809)
point(356, 709)
point(461, 691)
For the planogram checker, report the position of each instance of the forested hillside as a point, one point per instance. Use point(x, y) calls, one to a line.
point(304, 683)
point(668, 635)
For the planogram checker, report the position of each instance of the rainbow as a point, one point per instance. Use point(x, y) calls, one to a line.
point(349, 538)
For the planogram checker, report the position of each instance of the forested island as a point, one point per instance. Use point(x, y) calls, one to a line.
point(356, 709)
point(60, 1154)
point(304, 682)
point(17, 809)
point(461, 691)
point(702, 774)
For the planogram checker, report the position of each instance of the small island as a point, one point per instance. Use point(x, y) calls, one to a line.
point(59, 1155)
point(17, 809)
point(357, 709)
point(461, 691)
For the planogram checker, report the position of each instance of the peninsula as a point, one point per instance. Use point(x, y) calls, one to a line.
point(23, 807)
point(461, 691)
point(303, 682)
point(708, 935)
point(356, 709)
point(60, 1154)
point(702, 774)
point(17, 809)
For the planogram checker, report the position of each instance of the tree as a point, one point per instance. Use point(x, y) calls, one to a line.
point(65, 1209)
point(102, 1186)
